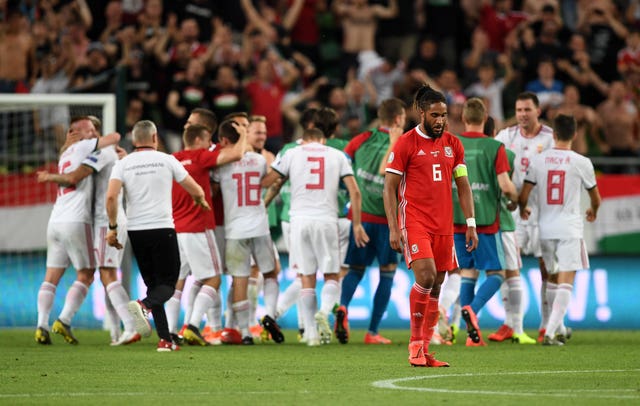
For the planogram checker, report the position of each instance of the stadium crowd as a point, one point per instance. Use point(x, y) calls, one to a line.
point(277, 57)
point(271, 62)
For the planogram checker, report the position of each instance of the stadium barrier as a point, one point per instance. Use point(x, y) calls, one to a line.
point(604, 297)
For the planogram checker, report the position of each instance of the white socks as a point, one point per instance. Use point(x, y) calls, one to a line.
point(559, 309)
point(450, 292)
point(514, 300)
point(271, 291)
point(329, 296)
point(46, 295)
point(287, 298)
point(119, 299)
point(308, 306)
point(172, 309)
point(241, 311)
point(204, 301)
point(75, 296)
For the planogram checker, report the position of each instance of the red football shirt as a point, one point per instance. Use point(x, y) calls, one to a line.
point(187, 217)
point(426, 166)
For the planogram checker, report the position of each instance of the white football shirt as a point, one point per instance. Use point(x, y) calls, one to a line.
point(314, 171)
point(525, 149)
point(244, 213)
point(559, 174)
point(102, 162)
point(147, 177)
point(73, 203)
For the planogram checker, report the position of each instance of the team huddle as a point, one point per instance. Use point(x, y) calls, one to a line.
point(453, 205)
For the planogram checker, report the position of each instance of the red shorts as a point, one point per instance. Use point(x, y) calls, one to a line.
point(422, 244)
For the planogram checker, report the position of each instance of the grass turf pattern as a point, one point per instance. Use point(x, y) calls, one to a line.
point(594, 368)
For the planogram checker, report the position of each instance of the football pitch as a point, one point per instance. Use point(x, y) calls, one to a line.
point(594, 368)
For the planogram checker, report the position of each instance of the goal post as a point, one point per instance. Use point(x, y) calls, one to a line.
point(32, 128)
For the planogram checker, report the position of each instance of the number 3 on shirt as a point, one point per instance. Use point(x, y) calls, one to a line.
point(555, 187)
point(248, 185)
point(319, 170)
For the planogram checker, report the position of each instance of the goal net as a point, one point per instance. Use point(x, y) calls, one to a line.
point(32, 128)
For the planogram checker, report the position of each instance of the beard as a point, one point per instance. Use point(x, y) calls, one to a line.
point(431, 132)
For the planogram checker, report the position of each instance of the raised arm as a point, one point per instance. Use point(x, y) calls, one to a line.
point(236, 151)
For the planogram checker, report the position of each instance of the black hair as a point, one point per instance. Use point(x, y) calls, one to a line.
point(564, 126)
point(426, 96)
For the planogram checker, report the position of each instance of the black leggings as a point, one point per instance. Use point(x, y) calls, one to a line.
point(158, 258)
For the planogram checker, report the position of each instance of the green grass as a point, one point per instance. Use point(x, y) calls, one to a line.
point(594, 368)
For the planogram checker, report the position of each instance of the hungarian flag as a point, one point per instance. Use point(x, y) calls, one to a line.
point(617, 228)
point(25, 206)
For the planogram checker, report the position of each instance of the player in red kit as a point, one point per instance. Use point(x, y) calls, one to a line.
point(419, 208)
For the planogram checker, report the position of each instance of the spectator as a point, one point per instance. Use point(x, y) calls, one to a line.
point(359, 24)
point(385, 78)
point(605, 37)
point(546, 86)
point(620, 127)
point(16, 51)
point(184, 96)
point(588, 122)
point(427, 58)
point(266, 92)
point(497, 20)
point(490, 88)
point(96, 75)
point(224, 93)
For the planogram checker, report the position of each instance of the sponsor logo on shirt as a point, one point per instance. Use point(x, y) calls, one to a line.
point(421, 152)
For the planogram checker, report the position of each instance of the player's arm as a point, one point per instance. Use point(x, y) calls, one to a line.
point(592, 211)
point(107, 140)
point(359, 234)
point(394, 133)
point(115, 185)
point(196, 192)
point(390, 198)
point(523, 200)
point(386, 12)
point(65, 179)
point(507, 186)
point(236, 151)
point(273, 190)
point(465, 195)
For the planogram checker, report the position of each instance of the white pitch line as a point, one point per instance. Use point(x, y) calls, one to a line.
point(590, 393)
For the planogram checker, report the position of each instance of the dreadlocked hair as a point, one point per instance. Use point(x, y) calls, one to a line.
point(425, 96)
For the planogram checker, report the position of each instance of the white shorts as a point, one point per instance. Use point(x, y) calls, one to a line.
point(314, 247)
point(344, 229)
point(564, 255)
point(239, 253)
point(106, 255)
point(70, 243)
point(512, 259)
point(276, 255)
point(199, 255)
point(218, 232)
point(528, 239)
point(286, 234)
